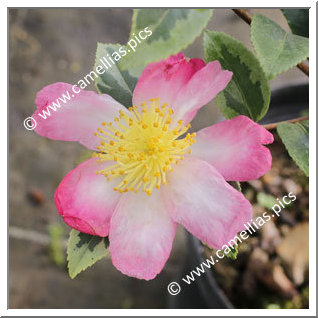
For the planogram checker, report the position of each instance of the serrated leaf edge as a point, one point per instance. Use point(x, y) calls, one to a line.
point(68, 260)
point(171, 53)
point(260, 66)
point(287, 148)
point(272, 75)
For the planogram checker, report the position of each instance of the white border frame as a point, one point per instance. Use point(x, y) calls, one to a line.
point(163, 312)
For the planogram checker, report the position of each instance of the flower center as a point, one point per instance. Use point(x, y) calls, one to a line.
point(144, 146)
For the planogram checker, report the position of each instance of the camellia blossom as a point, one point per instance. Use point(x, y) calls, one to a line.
point(148, 173)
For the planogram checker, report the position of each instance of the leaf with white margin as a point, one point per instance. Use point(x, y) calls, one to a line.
point(248, 93)
point(277, 50)
point(172, 31)
point(84, 250)
point(296, 140)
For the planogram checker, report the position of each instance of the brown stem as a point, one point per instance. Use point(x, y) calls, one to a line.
point(295, 120)
point(304, 67)
point(244, 15)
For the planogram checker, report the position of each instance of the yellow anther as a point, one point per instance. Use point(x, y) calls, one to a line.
point(151, 145)
point(143, 154)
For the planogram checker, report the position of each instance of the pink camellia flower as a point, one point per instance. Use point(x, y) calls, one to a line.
point(149, 174)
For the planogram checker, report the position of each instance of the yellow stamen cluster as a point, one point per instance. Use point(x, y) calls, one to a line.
point(144, 144)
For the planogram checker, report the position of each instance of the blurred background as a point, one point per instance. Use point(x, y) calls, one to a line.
point(51, 45)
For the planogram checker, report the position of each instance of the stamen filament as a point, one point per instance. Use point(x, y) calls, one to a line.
point(143, 145)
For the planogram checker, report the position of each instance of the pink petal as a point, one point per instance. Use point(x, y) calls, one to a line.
point(234, 147)
point(205, 204)
point(78, 118)
point(203, 86)
point(185, 84)
point(165, 78)
point(85, 200)
point(141, 235)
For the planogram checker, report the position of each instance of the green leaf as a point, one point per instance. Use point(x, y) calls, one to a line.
point(172, 31)
point(233, 253)
point(277, 50)
point(298, 21)
point(266, 200)
point(248, 93)
point(115, 82)
point(84, 250)
point(296, 139)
